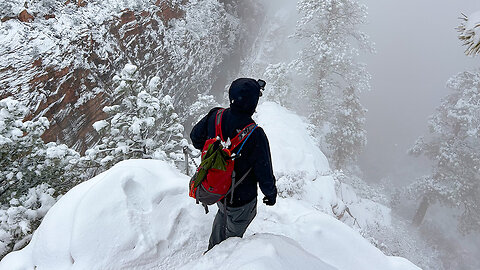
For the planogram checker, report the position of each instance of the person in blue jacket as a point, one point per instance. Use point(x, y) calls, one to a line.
point(242, 208)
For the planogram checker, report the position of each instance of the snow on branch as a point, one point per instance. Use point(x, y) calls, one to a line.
point(469, 31)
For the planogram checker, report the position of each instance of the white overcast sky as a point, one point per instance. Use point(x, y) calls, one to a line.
point(417, 51)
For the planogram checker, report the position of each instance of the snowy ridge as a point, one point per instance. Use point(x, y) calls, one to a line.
point(138, 215)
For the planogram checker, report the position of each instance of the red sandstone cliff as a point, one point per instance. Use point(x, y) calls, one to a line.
point(60, 61)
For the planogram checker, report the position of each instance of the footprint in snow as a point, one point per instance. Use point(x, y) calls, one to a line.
point(136, 195)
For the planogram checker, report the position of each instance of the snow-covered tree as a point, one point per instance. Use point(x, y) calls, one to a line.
point(347, 136)
point(454, 147)
point(199, 108)
point(26, 161)
point(29, 166)
point(453, 142)
point(142, 123)
point(22, 216)
point(469, 30)
point(332, 76)
point(193, 47)
point(279, 87)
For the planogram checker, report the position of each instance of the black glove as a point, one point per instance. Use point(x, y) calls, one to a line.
point(270, 200)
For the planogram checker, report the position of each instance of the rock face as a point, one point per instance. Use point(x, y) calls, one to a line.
point(24, 16)
point(59, 60)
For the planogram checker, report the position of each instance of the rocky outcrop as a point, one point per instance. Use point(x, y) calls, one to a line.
point(24, 16)
point(72, 96)
point(64, 73)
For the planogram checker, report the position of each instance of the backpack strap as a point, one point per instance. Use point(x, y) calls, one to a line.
point(218, 124)
point(242, 136)
point(235, 184)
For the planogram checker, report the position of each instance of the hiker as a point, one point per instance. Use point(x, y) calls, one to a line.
point(253, 163)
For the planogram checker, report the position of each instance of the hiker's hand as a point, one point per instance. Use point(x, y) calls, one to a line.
point(269, 200)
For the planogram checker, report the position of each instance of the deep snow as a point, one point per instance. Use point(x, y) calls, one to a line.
point(138, 215)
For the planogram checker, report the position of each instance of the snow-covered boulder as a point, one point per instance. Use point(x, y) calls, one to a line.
point(125, 217)
point(138, 215)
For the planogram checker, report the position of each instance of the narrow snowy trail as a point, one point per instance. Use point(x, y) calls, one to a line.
point(138, 215)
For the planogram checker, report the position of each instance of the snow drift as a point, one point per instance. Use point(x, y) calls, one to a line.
point(138, 215)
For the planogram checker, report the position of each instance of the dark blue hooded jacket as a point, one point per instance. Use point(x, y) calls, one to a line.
point(255, 154)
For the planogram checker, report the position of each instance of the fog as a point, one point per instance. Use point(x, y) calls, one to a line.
point(417, 52)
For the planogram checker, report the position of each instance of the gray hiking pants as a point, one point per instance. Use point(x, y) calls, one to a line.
point(237, 219)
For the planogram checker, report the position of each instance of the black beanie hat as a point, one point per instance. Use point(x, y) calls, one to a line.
point(243, 95)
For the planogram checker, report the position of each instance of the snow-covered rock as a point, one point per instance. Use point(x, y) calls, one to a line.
point(138, 215)
point(59, 57)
